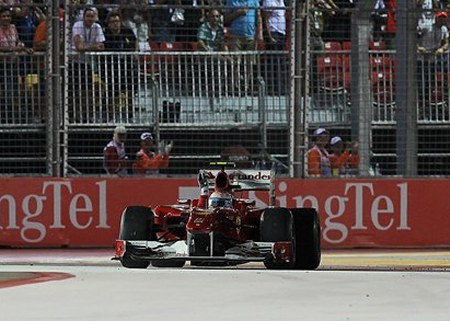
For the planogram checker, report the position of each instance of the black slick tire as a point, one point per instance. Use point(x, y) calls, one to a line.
point(276, 226)
point(307, 235)
point(135, 224)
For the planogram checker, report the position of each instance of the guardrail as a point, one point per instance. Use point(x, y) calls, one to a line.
point(187, 88)
point(177, 88)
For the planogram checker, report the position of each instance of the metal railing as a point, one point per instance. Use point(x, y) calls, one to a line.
point(192, 88)
point(22, 89)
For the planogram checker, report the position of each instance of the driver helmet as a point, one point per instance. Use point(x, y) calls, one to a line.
point(220, 199)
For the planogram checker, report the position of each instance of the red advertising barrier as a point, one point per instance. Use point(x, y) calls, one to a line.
point(85, 212)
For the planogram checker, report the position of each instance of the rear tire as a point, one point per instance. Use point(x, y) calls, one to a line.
point(136, 224)
point(276, 226)
point(307, 231)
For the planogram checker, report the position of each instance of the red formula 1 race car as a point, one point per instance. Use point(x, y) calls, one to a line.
point(220, 228)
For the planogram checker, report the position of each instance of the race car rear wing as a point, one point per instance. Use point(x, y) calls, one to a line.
point(245, 180)
point(240, 179)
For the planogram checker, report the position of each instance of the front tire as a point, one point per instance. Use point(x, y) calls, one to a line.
point(136, 224)
point(276, 226)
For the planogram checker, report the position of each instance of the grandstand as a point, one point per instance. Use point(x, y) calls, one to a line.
point(56, 122)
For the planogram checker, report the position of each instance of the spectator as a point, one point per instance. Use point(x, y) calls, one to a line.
point(275, 40)
point(343, 161)
point(318, 162)
point(434, 41)
point(274, 24)
point(211, 36)
point(87, 36)
point(379, 17)
point(119, 70)
point(40, 35)
point(384, 22)
point(148, 162)
point(115, 159)
point(245, 24)
point(426, 13)
point(162, 28)
point(26, 18)
point(135, 15)
point(244, 19)
point(432, 46)
point(319, 12)
point(192, 17)
point(9, 68)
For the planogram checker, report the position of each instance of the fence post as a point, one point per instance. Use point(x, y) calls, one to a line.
point(406, 99)
point(262, 111)
point(155, 107)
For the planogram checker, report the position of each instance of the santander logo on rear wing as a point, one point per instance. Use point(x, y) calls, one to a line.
point(247, 179)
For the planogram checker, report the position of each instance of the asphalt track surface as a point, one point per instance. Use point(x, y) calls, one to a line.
point(349, 285)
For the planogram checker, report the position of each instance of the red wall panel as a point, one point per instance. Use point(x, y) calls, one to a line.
point(85, 212)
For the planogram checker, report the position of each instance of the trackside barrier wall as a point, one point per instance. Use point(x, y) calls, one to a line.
point(85, 212)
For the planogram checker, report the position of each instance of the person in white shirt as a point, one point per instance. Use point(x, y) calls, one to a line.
point(87, 36)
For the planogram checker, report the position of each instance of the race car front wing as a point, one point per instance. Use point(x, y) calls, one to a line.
point(249, 251)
